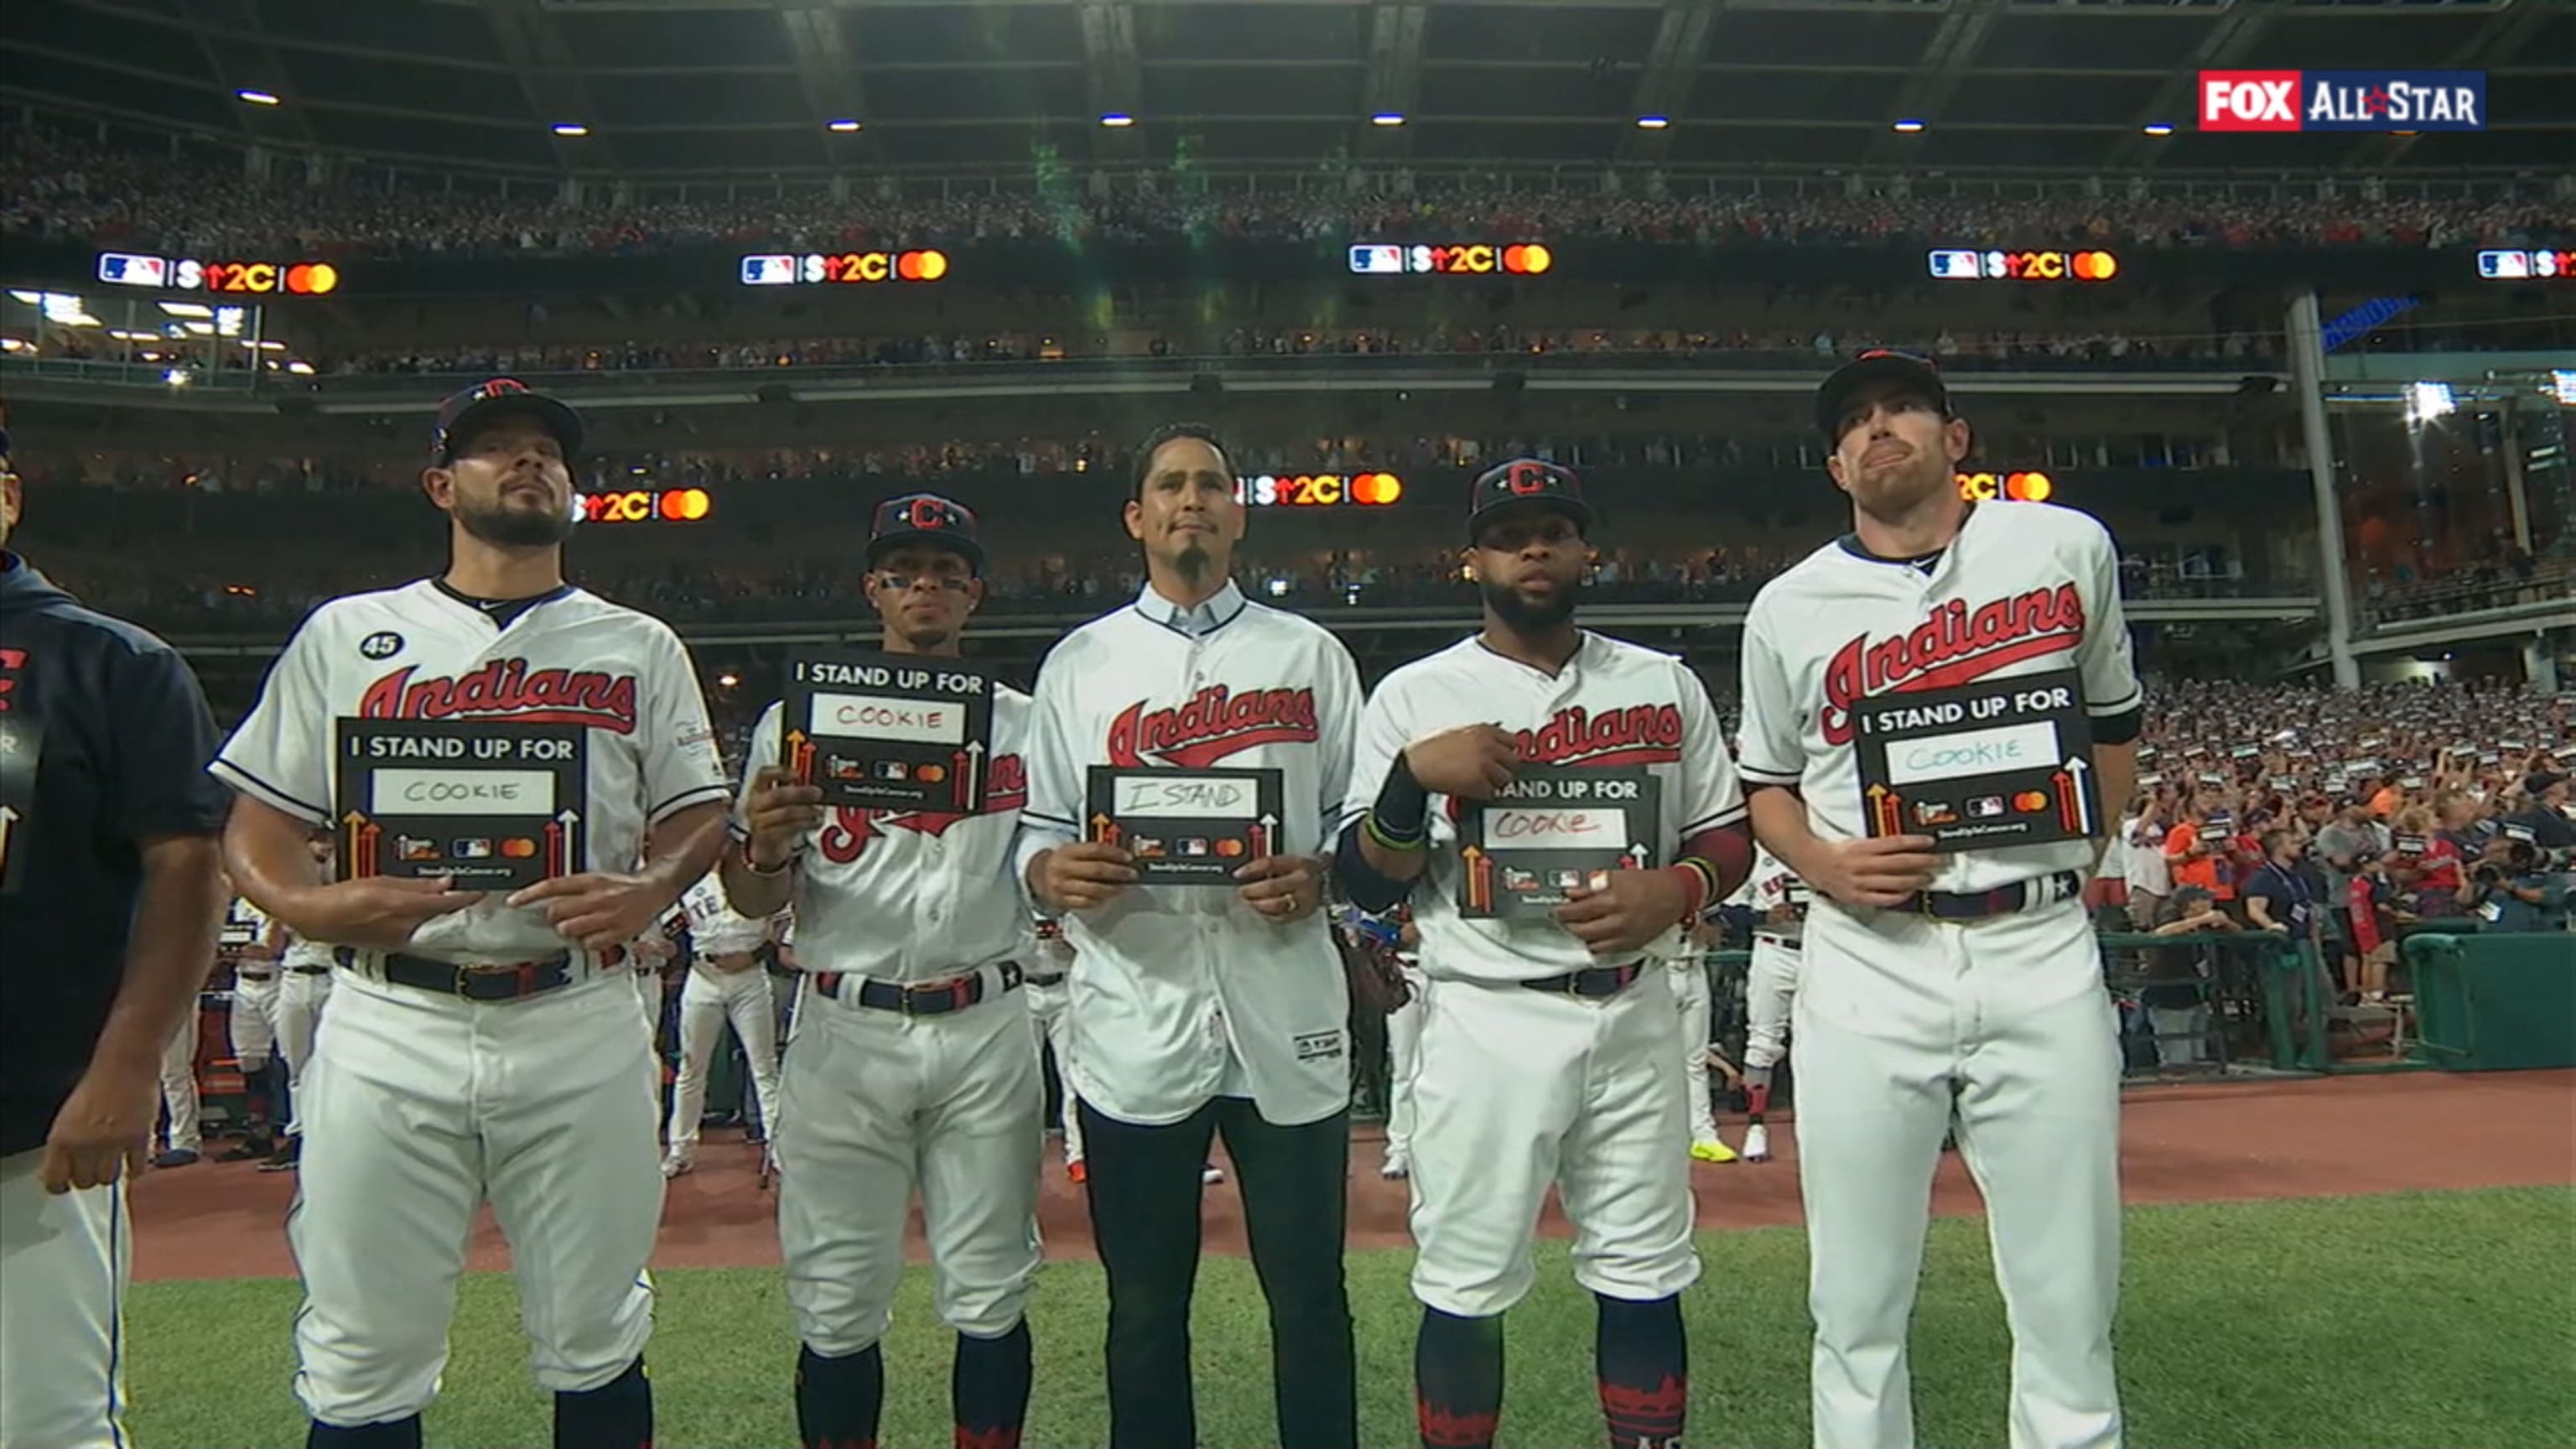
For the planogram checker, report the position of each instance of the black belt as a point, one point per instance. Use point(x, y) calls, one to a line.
point(254, 976)
point(936, 999)
point(1056, 980)
point(2001, 901)
point(1592, 981)
point(509, 981)
point(310, 970)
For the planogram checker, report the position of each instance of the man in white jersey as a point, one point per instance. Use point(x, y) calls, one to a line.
point(910, 1066)
point(726, 984)
point(252, 943)
point(1944, 979)
point(303, 989)
point(1200, 1009)
point(1047, 1003)
point(482, 1044)
point(1770, 990)
point(1594, 774)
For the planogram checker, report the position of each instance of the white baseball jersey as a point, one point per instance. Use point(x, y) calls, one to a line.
point(302, 952)
point(1612, 705)
point(912, 895)
point(418, 652)
point(2026, 588)
point(1182, 993)
point(244, 924)
point(715, 926)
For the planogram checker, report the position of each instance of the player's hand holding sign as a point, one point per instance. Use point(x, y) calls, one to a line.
point(1283, 888)
point(1081, 876)
point(1882, 872)
point(1470, 762)
point(782, 813)
point(381, 911)
point(599, 909)
point(1630, 910)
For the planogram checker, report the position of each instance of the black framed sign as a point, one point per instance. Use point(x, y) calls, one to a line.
point(496, 805)
point(1990, 763)
point(889, 732)
point(1553, 830)
point(1184, 827)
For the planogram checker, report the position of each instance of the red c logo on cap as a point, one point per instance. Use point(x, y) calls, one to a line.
point(1527, 478)
point(927, 514)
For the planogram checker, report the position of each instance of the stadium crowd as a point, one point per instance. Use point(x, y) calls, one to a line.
point(57, 187)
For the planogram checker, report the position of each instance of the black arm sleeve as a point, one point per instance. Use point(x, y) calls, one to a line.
point(1369, 889)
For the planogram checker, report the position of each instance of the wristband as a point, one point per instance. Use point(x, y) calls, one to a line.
point(751, 864)
point(1397, 821)
point(1700, 878)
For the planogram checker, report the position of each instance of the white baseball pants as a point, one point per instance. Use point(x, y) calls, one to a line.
point(1770, 987)
point(1690, 995)
point(252, 1023)
point(301, 995)
point(423, 1107)
point(1902, 1022)
point(179, 1084)
point(64, 1262)
point(1049, 1012)
point(1403, 1064)
point(1518, 1089)
point(709, 999)
point(877, 1103)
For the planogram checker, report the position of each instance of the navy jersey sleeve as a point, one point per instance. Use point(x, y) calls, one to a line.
point(163, 735)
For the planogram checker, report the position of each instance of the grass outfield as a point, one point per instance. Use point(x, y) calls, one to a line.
point(2437, 1319)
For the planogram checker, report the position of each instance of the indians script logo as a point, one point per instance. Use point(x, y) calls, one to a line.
point(507, 689)
point(847, 833)
point(11, 662)
point(1955, 645)
point(1216, 723)
point(1641, 734)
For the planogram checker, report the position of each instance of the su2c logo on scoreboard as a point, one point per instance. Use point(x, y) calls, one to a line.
point(1319, 490)
point(645, 505)
point(2028, 487)
point(1465, 259)
point(1968, 264)
point(781, 269)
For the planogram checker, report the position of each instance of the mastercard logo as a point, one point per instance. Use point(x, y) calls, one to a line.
point(930, 774)
point(2031, 802)
point(1229, 847)
point(520, 848)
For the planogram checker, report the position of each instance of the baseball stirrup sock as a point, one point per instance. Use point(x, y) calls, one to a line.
point(989, 1389)
point(1457, 1380)
point(1645, 1372)
point(838, 1400)
point(1757, 1100)
point(616, 1415)
point(390, 1434)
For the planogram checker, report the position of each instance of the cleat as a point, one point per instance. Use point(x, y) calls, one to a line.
point(1757, 1143)
point(1396, 1169)
point(289, 1153)
point(678, 1163)
point(176, 1157)
point(251, 1149)
point(1709, 1149)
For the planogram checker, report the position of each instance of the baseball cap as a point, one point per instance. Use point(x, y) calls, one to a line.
point(927, 518)
point(2541, 782)
point(1878, 364)
point(1526, 480)
point(460, 415)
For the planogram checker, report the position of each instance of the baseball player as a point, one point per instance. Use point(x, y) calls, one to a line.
point(1550, 1040)
point(1938, 986)
point(303, 989)
point(481, 1045)
point(1200, 1009)
point(182, 1108)
point(910, 1065)
point(1398, 937)
point(1047, 1002)
point(726, 983)
point(254, 944)
point(1688, 966)
point(1770, 987)
point(110, 892)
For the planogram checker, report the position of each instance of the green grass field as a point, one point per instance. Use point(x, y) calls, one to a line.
point(2444, 1319)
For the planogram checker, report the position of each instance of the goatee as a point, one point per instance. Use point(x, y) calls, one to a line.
point(1524, 615)
point(503, 526)
point(1192, 560)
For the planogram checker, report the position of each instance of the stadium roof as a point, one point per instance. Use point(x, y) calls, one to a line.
point(755, 87)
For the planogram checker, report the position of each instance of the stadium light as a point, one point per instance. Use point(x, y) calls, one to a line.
point(2157, 128)
point(571, 128)
point(1387, 118)
point(844, 126)
point(187, 309)
point(1117, 119)
point(1653, 123)
point(258, 98)
point(1908, 126)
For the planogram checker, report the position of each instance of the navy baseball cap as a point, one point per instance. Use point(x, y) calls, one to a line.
point(1526, 480)
point(1879, 364)
point(460, 415)
point(925, 518)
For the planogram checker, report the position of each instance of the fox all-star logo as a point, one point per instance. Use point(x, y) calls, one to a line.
point(1958, 642)
point(507, 689)
point(847, 831)
point(1217, 722)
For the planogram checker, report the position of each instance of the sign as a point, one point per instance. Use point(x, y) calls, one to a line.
point(2343, 100)
point(1966, 264)
point(493, 803)
point(2028, 487)
point(1319, 490)
point(646, 505)
point(1458, 259)
point(2517, 266)
point(887, 732)
point(1553, 830)
point(784, 269)
point(2361, 321)
point(1184, 827)
point(187, 274)
point(1992, 763)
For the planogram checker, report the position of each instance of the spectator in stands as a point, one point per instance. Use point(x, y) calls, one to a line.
point(2176, 996)
point(2510, 890)
point(2341, 847)
point(2428, 866)
point(2372, 904)
point(2194, 847)
point(2546, 816)
point(2144, 868)
point(2277, 895)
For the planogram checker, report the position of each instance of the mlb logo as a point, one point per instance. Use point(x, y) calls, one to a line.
point(471, 849)
point(2249, 100)
point(1565, 880)
point(892, 770)
point(1369, 259)
point(1986, 807)
point(1194, 846)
